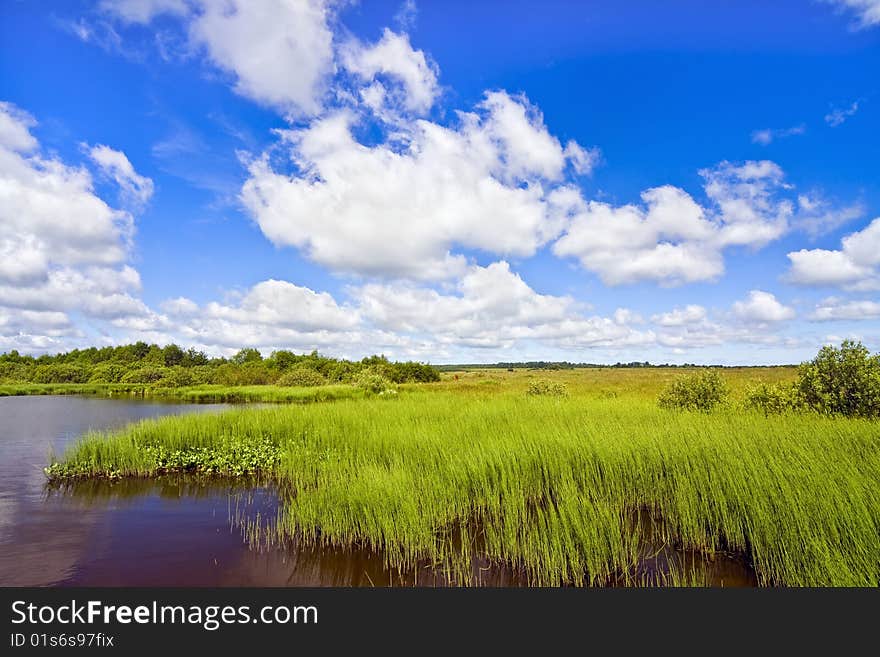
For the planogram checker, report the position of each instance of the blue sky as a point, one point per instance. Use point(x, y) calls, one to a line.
point(443, 181)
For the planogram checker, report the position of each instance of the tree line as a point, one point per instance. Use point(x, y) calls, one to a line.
point(174, 366)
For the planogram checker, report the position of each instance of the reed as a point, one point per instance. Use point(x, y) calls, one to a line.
point(546, 486)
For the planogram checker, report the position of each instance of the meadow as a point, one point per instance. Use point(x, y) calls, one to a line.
point(549, 487)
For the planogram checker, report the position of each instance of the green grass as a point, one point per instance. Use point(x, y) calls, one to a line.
point(547, 486)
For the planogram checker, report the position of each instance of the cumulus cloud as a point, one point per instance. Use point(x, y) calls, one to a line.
point(490, 312)
point(272, 314)
point(135, 188)
point(832, 309)
point(839, 115)
point(62, 247)
point(48, 210)
point(278, 52)
point(671, 238)
point(393, 57)
point(756, 320)
point(490, 308)
point(690, 314)
point(761, 307)
point(495, 182)
point(766, 136)
point(855, 266)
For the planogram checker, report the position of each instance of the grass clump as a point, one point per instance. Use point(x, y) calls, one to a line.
point(546, 388)
point(700, 391)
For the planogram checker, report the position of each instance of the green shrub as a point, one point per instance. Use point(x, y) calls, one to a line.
point(773, 398)
point(250, 373)
point(144, 375)
point(177, 377)
point(302, 376)
point(543, 387)
point(373, 381)
point(411, 372)
point(60, 373)
point(844, 381)
point(11, 372)
point(700, 391)
point(107, 373)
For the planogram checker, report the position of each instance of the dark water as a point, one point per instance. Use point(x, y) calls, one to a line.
point(185, 531)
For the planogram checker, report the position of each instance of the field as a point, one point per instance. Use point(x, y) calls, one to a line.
point(551, 488)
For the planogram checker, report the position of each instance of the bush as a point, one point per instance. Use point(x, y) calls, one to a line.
point(107, 373)
point(14, 372)
point(773, 398)
point(251, 373)
point(302, 376)
point(844, 380)
point(701, 391)
point(144, 375)
point(60, 373)
point(341, 371)
point(411, 372)
point(374, 381)
point(177, 377)
point(543, 387)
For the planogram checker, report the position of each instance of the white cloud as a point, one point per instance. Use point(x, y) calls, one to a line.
point(394, 57)
point(831, 309)
point(766, 136)
point(817, 216)
point(493, 182)
point(48, 210)
point(491, 308)
point(284, 304)
point(272, 314)
point(838, 116)
point(671, 239)
point(62, 248)
point(179, 307)
point(279, 51)
point(135, 188)
point(15, 125)
point(627, 316)
point(101, 292)
point(143, 11)
point(762, 307)
point(690, 314)
point(855, 266)
point(868, 11)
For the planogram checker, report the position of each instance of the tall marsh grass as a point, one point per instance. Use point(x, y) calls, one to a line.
point(544, 485)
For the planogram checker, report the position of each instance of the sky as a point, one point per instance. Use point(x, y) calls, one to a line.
point(681, 182)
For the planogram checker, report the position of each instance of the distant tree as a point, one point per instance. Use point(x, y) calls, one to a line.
point(173, 355)
point(247, 355)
